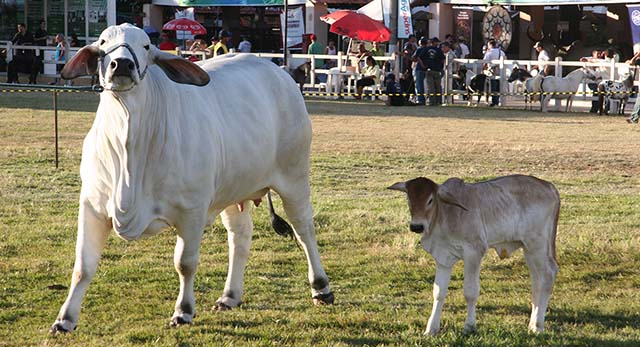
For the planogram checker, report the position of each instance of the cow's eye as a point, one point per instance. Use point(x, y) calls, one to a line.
point(430, 201)
point(101, 42)
point(146, 47)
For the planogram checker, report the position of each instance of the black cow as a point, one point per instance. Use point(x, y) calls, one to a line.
point(24, 63)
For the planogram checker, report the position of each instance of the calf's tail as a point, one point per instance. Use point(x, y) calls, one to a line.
point(278, 224)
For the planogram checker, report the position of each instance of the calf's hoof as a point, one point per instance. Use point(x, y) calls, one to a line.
point(323, 299)
point(469, 329)
point(221, 306)
point(62, 327)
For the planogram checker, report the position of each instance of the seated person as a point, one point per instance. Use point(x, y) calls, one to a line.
point(359, 57)
point(370, 75)
point(167, 44)
point(394, 92)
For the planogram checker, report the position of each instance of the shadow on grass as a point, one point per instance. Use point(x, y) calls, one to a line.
point(364, 341)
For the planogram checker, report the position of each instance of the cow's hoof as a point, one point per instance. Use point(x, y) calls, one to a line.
point(323, 299)
point(221, 306)
point(178, 321)
point(61, 327)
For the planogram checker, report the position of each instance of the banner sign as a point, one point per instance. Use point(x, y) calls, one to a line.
point(295, 27)
point(405, 26)
point(634, 21)
point(190, 3)
point(463, 24)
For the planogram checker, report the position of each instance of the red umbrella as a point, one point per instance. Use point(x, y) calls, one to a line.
point(356, 26)
point(185, 24)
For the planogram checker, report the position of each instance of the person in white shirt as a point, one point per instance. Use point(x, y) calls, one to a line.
point(464, 49)
point(494, 52)
point(543, 56)
point(244, 46)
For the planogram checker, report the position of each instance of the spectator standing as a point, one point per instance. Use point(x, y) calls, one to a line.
point(166, 44)
point(41, 34)
point(220, 48)
point(463, 48)
point(315, 48)
point(23, 59)
point(62, 52)
point(434, 62)
point(494, 52)
point(376, 51)
point(419, 69)
point(244, 46)
point(406, 77)
point(543, 56)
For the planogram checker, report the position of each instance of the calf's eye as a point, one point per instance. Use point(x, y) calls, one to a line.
point(430, 201)
point(146, 47)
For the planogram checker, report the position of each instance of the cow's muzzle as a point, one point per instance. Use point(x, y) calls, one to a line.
point(416, 228)
point(122, 67)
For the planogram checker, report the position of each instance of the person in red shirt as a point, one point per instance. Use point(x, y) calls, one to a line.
point(167, 44)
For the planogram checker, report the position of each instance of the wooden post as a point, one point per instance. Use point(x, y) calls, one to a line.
point(55, 123)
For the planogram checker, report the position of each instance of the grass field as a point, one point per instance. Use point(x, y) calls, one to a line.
point(381, 277)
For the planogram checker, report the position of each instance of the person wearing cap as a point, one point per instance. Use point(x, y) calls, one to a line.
point(220, 48)
point(543, 56)
point(316, 48)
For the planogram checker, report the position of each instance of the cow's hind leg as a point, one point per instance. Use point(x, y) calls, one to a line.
point(296, 198)
point(239, 225)
point(93, 231)
point(543, 269)
point(185, 260)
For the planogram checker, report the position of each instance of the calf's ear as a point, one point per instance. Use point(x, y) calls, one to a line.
point(83, 63)
point(400, 186)
point(178, 69)
point(451, 191)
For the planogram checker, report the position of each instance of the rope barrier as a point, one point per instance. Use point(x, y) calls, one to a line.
point(38, 88)
point(462, 92)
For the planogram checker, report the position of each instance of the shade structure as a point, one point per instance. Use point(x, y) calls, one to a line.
point(356, 26)
point(185, 24)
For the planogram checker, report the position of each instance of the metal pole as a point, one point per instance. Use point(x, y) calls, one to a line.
point(55, 123)
point(285, 33)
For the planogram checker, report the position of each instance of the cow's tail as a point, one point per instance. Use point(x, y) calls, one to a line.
point(278, 224)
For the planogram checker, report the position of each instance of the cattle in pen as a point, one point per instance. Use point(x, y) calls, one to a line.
point(461, 221)
point(175, 144)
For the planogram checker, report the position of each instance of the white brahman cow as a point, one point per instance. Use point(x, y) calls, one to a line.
point(460, 221)
point(175, 144)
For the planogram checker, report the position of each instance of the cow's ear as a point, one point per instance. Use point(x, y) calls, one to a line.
point(83, 63)
point(400, 186)
point(451, 192)
point(178, 69)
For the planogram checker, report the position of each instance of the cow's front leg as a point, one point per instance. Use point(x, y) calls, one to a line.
point(93, 230)
point(440, 286)
point(185, 260)
point(239, 227)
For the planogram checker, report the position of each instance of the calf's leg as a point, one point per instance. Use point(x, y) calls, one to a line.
point(543, 269)
point(440, 286)
point(471, 289)
point(93, 230)
point(239, 225)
